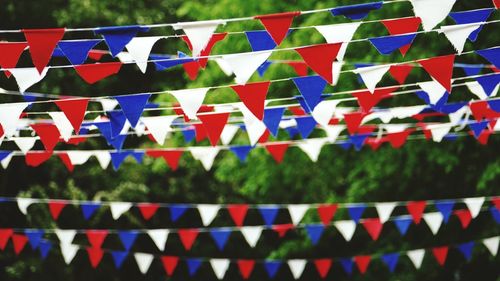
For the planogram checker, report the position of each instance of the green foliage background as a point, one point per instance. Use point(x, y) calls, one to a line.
point(420, 170)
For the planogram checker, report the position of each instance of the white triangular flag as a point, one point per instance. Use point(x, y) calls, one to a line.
point(244, 65)
point(323, 112)
point(219, 267)
point(125, 57)
point(312, 147)
point(297, 212)
point(297, 267)
point(190, 100)
point(62, 123)
point(478, 90)
point(159, 237)
point(208, 212)
point(384, 116)
point(333, 132)
point(395, 128)
point(339, 33)
point(224, 66)
point(432, 12)
point(139, 49)
point(337, 69)
point(24, 203)
point(68, 252)
point(9, 116)
point(159, 126)
point(228, 133)
point(346, 228)
point(492, 244)
point(25, 144)
point(119, 208)
point(27, 76)
point(252, 234)
point(254, 127)
point(416, 257)
point(206, 155)
point(458, 34)
point(6, 161)
point(79, 157)
point(406, 111)
point(199, 33)
point(371, 75)
point(108, 104)
point(434, 221)
point(384, 210)
point(103, 157)
point(456, 117)
point(439, 131)
point(143, 261)
point(474, 205)
point(65, 236)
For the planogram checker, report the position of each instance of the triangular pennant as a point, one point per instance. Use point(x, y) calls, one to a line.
point(253, 96)
point(25, 144)
point(323, 266)
point(432, 12)
point(440, 253)
point(458, 34)
point(65, 236)
point(356, 211)
point(159, 126)
point(371, 75)
point(244, 65)
point(416, 209)
point(312, 147)
point(133, 106)
point(492, 55)
point(297, 212)
point(324, 111)
point(76, 51)
point(68, 252)
point(214, 124)
point(474, 205)
point(282, 229)
point(305, 125)
point(190, 100)
point(367, 100)
point(252, 234)
point(139, 49)
point(403, 224)
point(228, 133)
point(272, 118)
point(311, 88)
point(148, 210)
point(277, 151)
point(326, 212)
point(357, 11)
point(339, 33)
point(320, 58)
point(159, 237)
point(119, 208)
point(206, 155)
point(314, 231)
point(62, 123)
point(27, 77)
point(439, 131)
point(362, 262)
point(143, 261)
point(269, 214)
point(34, 237)
point(199, 33)
point(416, 257)
point(96, 237)
point(95, 256)
point(434, 221)
point(466, 249)
point(400, 72)
point(272, 267)
point(391, 260)
point(42, 43)
point(117, 158)
point(171, 157)
point(478, 127)
point(193, 265)
point(384, 210)
point(119, 257)
point(260, 40)
point(177, 210)
point(245, 267)
point(92, 73)
point(385, 45)
point(445, 208)
point(402, 26)
point(464, 216)
point(475, 16)
point(220, 237)
point(117, 37)
point(55, 208)
point(127, 238)
point(89, 208)
point(48, 133)
point(489, 84)
point(74, 110)
point(492, 244)
point(35, 159)
point(440, 69)
point(277, 24)
point(44, 248)
point(207, 213)
point(188, 237)
point(373, 226)
point(11, 52)
point(346, 228)
point(241, 151)
point(347, 265)
point(297, 267)
point(169, 264)
point(203, 59)
point(220, 267)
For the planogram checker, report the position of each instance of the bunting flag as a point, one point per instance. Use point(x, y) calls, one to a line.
point(139, 49)
point(214, 124)
point(76, 51)
point(48, 133)
point(92, 73)
point(402, 26)
point(320, 58)
point(458, 34)
point(371, 75)
point(253, 96)
point(259, 40)
point(190, 100)
point(243, 65)
point(208, 48)
point(477, 16)
point(387, 44)
point(311, 88)
point(491, 54)
point(27, 77)
point(432, 12)
point(42, 43)
point(117, 37)
point(356, 12)
point(440, 68)
point(12, 51)
point(338, 33)
point(199, 33)
point(277, 25)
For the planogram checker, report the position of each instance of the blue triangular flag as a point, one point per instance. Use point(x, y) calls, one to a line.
point(471, 69)
point(76, 51)
point(119, 258)
point(388, 44)
point(495, 213)
point(220, 237)
point(403, 224)
point(315, 231)
point(303, 104)
point(305, 125)
point(391, 260)
point(128, 238)
point(177, 210)
point(466, 249)
point(117, 120)
point(272, 118)
point(492, 55)
point(345, 145)
point(189, 135)
point(118, 157)
point(445, 208)
point(44, 247)
point(478, 127)
point(272, 267)
point(163, 62)
point(89, 208)
point(105, 128)
point(261, 70)
point(260, 40)
point(489, 83)
point(4, 154)
point(356, 12)
point(452, 107)
point(292, 131)
point(133, 106)
point(57, 53)
point(347, 265)
point(358, 140)
point(117, 37)
point(495, 105)
point(269, 214)
point(138, 156)
point(355, 212)
point(34, 237)
point(425, 97)
point(473, 16)
point(311, 88)
point(193, 265)
point(118, 141)
point(241, 151)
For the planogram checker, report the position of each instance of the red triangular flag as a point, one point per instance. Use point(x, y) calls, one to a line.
point(400, 72)
point(253, 95)
point(205, 52)
point(42, 43)
point(323, 266)
point(367, 100)
point(188, 236)
point(11, 51)
point(326, 212)
point(402, 26)
point(5, 234)
point(19, 242)
point(214, 123)
point(238, 213)
point(55, 208)
point(398, 139)
point(300, 67)
point(96, 54)
point(200, 132)
point(440, 254)
point(416, 209)
point(191, 68)
point(169, 263)
point(496, 202)
point(96, 237)
point(277, 25)
point(92, 73)
point(320, 58)
point(282, 229)
point(353, 121)
point(34, 159)
point(277, 151)
point(440, 68)
point(496, 3)
point(375, 143)
point(373, 226)
point(481, 110)
point(148, 209)
point(362, 262)
point(170, 156)
point(464, 216)
point(74, 110)
point(95, 256)
point(66, 161)
point(48, 133)
point(245, 267)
